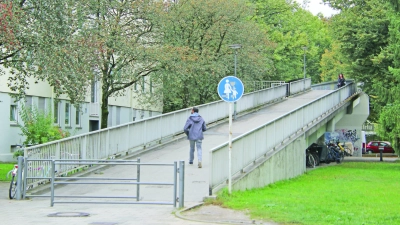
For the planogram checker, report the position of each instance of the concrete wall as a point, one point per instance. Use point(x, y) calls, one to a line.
point(286, 163)
point(350, 125)
point(9, 130)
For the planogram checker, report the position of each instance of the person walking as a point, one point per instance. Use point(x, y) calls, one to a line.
point(194, 128)
point(341, 81)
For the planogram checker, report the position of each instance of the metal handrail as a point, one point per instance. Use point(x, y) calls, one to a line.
point(300, 117)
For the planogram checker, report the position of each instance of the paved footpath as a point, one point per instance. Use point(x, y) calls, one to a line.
point(37, 210)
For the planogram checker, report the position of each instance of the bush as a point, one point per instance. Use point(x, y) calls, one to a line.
point(38, 127)
point(19, 152)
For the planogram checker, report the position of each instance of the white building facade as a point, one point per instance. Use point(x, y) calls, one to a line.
point(86, 118)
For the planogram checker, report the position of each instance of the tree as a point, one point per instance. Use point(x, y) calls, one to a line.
point(7, 31)
point(370, 43)
point(333, 63)
point(15, 41)
point(389, 120)
point(124, 36)
point(364, 38)
point(196, 36)
point(291, 28)
point(389, 127)
point(71, 43)
point(395, 4)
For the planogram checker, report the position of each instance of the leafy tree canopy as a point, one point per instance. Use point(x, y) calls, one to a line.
point(71, 43)
point(196, 38)
point(291, 28)
point(368, 34)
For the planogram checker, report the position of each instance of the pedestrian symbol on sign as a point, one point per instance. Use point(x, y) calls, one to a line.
point(230, 89)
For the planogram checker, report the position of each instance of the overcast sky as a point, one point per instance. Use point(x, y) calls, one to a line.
point(316, 6)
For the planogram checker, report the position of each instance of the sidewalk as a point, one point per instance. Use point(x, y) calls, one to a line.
point(370, 159)
point(37, 211)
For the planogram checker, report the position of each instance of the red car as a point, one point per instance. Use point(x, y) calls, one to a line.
point(373, 147)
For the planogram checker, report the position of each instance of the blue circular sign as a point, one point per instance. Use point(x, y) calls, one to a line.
point(230, 89)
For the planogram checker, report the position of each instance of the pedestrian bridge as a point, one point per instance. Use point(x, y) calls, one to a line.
point(272, 129)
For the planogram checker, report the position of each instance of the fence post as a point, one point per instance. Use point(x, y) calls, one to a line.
point(83, 147)
point(176, 170)
point(59, 156)
point(108, 144)
point(25, 182)
point(138, 179)
point(181, 183)
point(53, 168)
point(19, 177)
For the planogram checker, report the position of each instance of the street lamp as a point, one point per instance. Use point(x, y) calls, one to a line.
point(304, 79)
point(236, 47)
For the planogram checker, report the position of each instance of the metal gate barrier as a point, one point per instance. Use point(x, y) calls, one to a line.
point(55, 179)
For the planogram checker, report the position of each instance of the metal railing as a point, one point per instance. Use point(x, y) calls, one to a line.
point(260, 85)
point(299, 86)
point(259, 142)
point(56, 179)
point(330, 85)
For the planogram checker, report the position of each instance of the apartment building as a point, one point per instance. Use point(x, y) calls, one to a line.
point(76, 120)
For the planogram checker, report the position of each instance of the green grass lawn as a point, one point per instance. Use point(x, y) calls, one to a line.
point(4, 168)
point(349, 193)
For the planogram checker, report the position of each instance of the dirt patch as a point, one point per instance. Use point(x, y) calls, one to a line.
point(217, 214)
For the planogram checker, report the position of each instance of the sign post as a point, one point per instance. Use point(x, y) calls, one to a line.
point(230, 89)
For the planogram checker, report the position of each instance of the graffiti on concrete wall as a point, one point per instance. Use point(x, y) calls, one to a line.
point(349, 135)
point(342, 136)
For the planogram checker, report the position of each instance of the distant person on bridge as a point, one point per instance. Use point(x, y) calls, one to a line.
point(194, 128)
point(341, 81)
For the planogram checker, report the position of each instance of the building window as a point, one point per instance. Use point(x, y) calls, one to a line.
point(77, 117)
point(13, 110)
point(94, 91)
point(13, 113)
point(28, 102)
point(42, 104)
point(67, 114)
point(151, 86)
point(118, 122)
point(143, 84)
point(110, 116)
point(56, 112)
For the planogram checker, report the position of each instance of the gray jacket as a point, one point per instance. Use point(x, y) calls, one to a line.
point(194, 127)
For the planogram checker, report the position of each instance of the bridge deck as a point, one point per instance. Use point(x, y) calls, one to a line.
point(196, 180)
